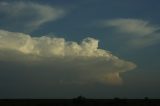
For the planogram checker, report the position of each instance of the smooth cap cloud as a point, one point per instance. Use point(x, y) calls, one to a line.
point(28, 16)
point(138, 33)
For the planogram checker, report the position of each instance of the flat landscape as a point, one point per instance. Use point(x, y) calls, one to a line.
point(78, 102)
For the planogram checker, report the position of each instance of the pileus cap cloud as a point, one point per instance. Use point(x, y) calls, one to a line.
point(139, 33)
point(30, 15)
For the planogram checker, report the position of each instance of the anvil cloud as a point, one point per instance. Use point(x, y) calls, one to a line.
point(81, 62)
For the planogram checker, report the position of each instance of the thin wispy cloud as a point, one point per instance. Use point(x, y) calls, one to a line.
point(81, 62)
point(138, 33)
point(28, 16)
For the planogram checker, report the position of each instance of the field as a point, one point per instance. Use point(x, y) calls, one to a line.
point(79, 102)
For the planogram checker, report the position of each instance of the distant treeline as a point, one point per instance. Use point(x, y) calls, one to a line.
point(80, 101)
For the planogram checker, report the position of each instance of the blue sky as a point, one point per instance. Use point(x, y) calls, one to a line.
point(85, 35)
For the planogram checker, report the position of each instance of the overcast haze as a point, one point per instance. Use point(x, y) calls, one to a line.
point(94, 48)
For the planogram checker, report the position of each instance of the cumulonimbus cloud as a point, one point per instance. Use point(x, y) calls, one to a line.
point(139, 33)
point(27, 15)
point(80, 62)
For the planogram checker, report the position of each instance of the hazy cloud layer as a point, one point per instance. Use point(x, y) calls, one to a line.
point(28, 16)
point(139, 33)
point(68, 61)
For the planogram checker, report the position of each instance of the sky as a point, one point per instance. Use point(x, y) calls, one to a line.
point(66, 48)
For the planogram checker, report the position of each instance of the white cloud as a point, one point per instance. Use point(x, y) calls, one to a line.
point(81, 62)
point(29, 15)
point(139, 33)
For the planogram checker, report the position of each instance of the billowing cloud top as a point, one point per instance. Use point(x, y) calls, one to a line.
point(82, 62)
